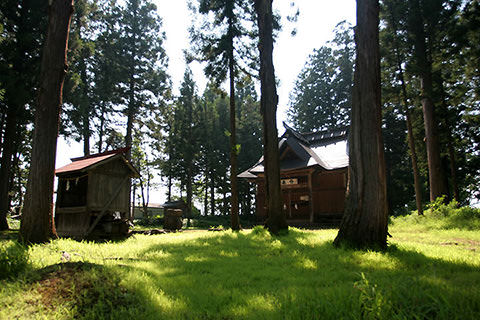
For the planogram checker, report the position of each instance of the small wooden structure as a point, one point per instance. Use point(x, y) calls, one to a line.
point(93, 195)
point(173, 215)
point(313, 172)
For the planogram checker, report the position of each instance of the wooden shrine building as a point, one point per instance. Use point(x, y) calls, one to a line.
point(93, 195)
point(313, 172)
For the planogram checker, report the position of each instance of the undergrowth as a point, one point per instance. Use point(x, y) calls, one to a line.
point(442, 216)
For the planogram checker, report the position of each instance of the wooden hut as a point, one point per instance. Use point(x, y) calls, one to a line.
point(93, 195)
point(313, 172)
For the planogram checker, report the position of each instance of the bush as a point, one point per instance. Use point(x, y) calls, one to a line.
point(444, 216)
point(13, 259)
point(155, 221)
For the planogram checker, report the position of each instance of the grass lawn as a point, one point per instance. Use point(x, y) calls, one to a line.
point(428, 272)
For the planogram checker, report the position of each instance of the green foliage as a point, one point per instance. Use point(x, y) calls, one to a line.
point(225, 35)
point(373, 301)
point(321, 98)
point(441, 216)
point(13, 259)
point(205, 222)
point(260, 231)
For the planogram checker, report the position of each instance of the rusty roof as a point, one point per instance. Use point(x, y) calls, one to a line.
point(83, 163)
point(78, 165)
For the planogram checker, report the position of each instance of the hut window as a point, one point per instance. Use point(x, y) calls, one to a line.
point(72, 191)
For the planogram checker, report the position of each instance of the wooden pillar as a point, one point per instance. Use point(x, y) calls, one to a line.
point(310, 195)
point(290, 204)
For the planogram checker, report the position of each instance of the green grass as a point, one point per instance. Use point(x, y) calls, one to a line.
point(427, 273)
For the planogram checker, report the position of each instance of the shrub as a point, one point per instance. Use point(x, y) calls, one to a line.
point(444, 216)
point(13, 259)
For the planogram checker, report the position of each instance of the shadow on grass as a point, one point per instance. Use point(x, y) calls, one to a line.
point(256, 276)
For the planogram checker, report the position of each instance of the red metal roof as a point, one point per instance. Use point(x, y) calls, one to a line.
point(83, 163)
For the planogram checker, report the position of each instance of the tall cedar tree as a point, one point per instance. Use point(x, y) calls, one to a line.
point(390, 18)
point(221, 43)
point(187, 138)
point(364, 222)
point(436, 174)
point(78, 107)
point(276, 220)
point(141, 59)
point(37, 219)
point(19, 51)
point(322, 96)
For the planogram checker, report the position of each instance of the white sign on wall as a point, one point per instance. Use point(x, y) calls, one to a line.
point(291, 181)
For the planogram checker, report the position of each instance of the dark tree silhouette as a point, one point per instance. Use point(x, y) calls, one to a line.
point(364, 222)
point(268, 104)
point(37, 219)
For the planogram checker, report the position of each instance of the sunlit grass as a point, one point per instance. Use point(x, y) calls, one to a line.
point(424, 274)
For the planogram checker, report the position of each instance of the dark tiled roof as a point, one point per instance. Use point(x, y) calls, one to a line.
point(327, 149)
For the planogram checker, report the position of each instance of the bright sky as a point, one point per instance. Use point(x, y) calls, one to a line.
point(314, 28)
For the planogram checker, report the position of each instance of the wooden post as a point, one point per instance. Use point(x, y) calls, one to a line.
point(310, 195)
point(290, 204)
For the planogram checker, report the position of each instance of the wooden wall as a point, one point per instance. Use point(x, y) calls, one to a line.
point(102, 184)
point(328, 193)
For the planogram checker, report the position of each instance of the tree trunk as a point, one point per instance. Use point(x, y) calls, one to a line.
point(188, 210)
point(436, 174)
point(169, 195)
point(233, 149)
point(101, 130)
point(225, 206)
point(37, 223)
point(144, 203)
point(3, 116)
point(364, 222)
point(6, 164)
point(131, 207)
point(411, 140)
point(450, 147)
point(212, 193)
point(276, 220)
point(85, 112)
point(453, 170)
point(205, 199)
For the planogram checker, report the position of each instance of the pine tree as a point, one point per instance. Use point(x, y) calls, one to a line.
point(224, 42)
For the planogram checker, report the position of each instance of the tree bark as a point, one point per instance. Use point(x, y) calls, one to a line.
point(276, 220)
point(436, 175)
point(205, 199)
point(212, 193)
point(101, 129)
point(6, 164)
point(411, 140)
point(37, 223)
point(85, 112)
point(233, 149)
point(364, 223)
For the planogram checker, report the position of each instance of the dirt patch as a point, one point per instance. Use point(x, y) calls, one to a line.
point(472, 244)
point(59, 283)
point(82, 287)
